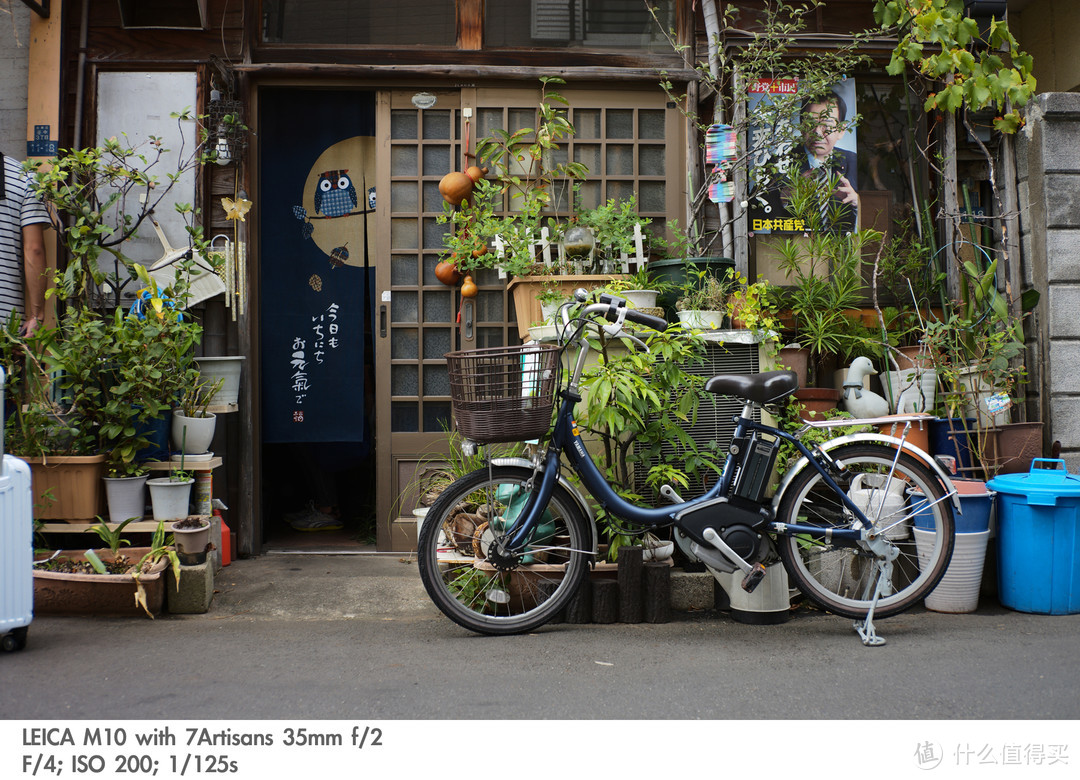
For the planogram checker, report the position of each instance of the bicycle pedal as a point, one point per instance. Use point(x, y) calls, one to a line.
point(753, 578)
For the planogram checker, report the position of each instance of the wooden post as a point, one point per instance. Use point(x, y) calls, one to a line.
point(657, 608)
point(605, 601)
point(547, 588)
point(630, 576)
point(579, 608)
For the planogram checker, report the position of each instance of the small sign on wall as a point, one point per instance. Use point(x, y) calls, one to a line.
point(41, 145)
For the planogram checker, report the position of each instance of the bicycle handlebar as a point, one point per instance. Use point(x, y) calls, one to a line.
point(616, 307)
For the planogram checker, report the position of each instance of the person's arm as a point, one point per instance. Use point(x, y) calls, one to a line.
point(34, 264)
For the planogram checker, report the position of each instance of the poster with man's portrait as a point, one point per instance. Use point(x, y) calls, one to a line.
point(796, 133)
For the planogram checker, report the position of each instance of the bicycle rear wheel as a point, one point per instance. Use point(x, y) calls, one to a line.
point(457, 535)
point(907, 504)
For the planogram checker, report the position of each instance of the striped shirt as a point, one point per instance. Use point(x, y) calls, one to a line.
point(19, 208)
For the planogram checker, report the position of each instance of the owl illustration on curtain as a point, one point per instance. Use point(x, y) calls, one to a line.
point(335, 195)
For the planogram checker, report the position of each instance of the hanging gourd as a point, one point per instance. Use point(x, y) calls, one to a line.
point(475, 173)
point(447, 273)
point(455, 187)
point(468, 288)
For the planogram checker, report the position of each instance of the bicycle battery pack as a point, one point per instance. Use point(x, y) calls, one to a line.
point(752, 479)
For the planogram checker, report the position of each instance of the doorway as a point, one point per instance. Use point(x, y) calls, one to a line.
point(317, 259)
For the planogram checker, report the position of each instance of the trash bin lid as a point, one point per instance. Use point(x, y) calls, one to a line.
point(1042, 484)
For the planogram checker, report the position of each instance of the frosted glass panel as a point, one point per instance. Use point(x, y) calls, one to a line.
point(620, 123)
point(405, 306)
point(437, 306)
point(404, 380)
point(404, 417)
point(403, 271)
point(620, 160)
point(433, 199)
point(403, 196)
point(436, 160)
point(436, 416)
point(403, 161)
point(402, 124)
point(587, 123)
point(651, 124)
point(403, 234)
point(436, 380)
point(652, 196)
point(433, 233)
point(589, 156)
point(436, 343)
point(404, 345)
point(436, 124)
point(651, 160)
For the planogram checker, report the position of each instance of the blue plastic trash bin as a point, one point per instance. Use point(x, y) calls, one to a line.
point(1039, 539)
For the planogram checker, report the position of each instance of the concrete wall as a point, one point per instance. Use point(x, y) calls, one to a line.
point(1048, 30)
point(14, 70)
point(1048, 167)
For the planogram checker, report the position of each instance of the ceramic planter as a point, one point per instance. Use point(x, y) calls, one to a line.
point(191, 543)
point(702, 320)
point(126, 497)
point(169, 498)
point(227, 368)
point(59, 593)
point(641, 299)
point(193, 435)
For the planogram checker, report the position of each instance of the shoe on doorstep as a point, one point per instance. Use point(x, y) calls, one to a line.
point(315, 520)
point(299, 514)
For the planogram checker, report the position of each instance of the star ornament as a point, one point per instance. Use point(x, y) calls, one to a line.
point(236, 209)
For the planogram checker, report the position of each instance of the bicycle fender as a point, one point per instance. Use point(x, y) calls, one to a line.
point(573, 491)
point(877, 438)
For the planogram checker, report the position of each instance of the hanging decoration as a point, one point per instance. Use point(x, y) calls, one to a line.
point(720, 152)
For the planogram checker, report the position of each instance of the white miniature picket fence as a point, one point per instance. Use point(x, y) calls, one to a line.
point(551, 253)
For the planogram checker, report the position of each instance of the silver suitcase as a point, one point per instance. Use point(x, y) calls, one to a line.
point(16, 546)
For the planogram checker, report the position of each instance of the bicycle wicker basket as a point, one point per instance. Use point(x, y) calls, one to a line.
point(503, 394)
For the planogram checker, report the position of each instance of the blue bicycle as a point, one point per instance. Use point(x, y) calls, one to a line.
point(863, 523)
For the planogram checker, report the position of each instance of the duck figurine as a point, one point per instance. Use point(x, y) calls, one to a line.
point(862, 403)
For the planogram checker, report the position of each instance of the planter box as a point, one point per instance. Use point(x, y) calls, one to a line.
point(527, 288)
point(72, 482)
point(57, 593)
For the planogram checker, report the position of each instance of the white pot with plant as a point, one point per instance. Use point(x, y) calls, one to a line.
point(703, 302)
point(193, 425)
point(170, 496)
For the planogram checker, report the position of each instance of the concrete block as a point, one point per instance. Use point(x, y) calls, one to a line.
point(1064, 204)
point(1059, 106)
point(1064, 421)
point(1061, 147)
point(1063, 359)
point(196, 589)
point(1062, 304)
point(1063, 255)
point(691, 590)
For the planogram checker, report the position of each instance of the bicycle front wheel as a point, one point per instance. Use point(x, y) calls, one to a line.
point(463, 579)
point(909, 507)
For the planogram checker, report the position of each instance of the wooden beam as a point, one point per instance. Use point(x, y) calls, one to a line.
point(517, 73)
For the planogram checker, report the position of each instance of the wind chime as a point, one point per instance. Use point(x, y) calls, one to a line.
point(720, 153)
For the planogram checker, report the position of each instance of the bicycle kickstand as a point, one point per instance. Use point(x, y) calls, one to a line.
point(866, 629)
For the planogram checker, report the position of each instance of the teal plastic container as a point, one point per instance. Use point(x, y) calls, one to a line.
point(1039, 539)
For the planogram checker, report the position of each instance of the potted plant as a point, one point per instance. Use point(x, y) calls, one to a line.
point(170, 496)
point(703, 303)
point(192, 539)
point(193, 424)
point(104, 581)
point(640, 289)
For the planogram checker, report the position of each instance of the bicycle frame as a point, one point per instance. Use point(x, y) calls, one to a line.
point(566, 438)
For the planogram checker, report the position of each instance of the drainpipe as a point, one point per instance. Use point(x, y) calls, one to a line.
point(80, 81)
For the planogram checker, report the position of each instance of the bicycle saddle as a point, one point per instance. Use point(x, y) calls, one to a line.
point(765, 388)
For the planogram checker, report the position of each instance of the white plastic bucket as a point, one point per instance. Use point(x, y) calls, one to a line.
point(958, 590)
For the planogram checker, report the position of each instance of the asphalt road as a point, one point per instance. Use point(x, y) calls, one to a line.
point(316, 637)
